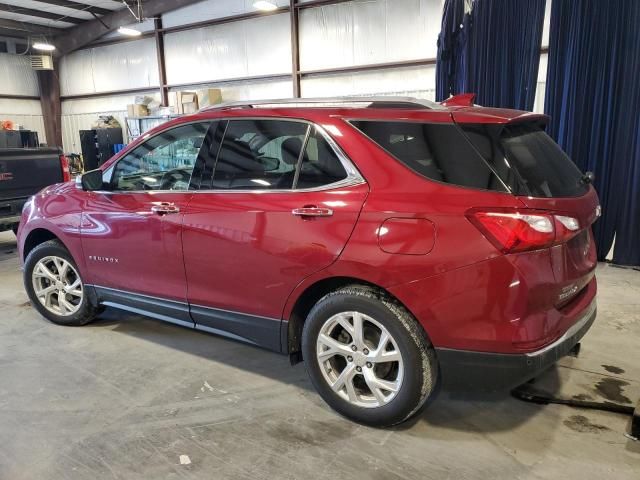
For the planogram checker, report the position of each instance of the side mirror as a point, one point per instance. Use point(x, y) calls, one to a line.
point(92, 181)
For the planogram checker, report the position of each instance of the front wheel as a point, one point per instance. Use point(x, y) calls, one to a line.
point(368, 357)
point(55, 287)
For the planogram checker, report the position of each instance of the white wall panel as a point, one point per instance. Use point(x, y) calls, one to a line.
point(541, 85)
point(109, 68)
point(211, 9)
point(27, 113)
point(16, 75)
point(254, 47)
point(410, 81)
point(371, 31)
point(546, 24)
point(262, 90)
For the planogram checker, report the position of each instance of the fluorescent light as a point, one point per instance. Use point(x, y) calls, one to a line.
point(265, 6)
point(129, 32)
point(44, 46)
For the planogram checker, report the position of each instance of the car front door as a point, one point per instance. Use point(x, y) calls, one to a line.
point(131, 231)
point(280, 205)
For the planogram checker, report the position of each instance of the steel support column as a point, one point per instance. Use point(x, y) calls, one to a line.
point(51, 107)
point(295, 48)
point(162, 69)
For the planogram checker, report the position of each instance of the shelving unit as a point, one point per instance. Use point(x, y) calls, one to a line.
point(137, 126)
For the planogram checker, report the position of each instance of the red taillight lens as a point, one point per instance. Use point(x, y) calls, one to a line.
point(64, 164)
point(522, 230)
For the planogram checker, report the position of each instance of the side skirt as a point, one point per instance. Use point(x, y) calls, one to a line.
point(260, 331)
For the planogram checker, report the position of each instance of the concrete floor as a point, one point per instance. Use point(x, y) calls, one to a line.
point(128, 398)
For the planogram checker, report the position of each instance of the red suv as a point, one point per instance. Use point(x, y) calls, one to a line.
point(392, 244)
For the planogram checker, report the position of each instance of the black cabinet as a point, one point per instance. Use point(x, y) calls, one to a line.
point(29, 139)
point(10, 139)
point(97, 145)
point(18, 139)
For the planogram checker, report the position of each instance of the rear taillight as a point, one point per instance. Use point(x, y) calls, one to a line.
point(64, 164)
point(521, 230)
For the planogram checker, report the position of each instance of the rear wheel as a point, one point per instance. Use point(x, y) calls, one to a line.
point(54, 285)
point(368, 357)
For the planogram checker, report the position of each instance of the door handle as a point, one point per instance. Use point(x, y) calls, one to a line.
point(312, 212)
point(165, 208)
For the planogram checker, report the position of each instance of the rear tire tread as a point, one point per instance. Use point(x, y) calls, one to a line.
point(410, 324)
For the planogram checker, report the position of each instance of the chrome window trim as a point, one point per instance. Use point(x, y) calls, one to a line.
point(353, 175)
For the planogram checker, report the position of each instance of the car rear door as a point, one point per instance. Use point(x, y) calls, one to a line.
point(277, 203)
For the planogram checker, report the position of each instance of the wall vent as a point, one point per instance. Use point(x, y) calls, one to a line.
point(41, 62)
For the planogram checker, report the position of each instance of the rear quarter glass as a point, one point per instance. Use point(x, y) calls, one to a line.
point(528, 161)
point(438, 151)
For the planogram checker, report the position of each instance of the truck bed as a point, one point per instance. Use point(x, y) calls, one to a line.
point(24, 172)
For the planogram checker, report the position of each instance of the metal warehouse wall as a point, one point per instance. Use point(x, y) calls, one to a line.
point(251, 58)
point(17, 78)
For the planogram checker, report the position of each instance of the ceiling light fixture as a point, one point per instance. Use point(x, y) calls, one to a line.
point(265, 6)
point(47, 47)
point(129, 32)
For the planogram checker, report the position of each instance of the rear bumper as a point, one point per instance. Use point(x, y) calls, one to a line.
point(469, 370)
point(10, 212)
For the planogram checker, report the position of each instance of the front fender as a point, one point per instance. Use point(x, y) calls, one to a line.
point(58, 211)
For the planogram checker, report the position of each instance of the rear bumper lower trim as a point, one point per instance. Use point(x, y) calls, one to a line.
point(470, 370)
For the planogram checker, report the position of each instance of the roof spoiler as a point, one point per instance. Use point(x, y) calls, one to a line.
point(460, 100)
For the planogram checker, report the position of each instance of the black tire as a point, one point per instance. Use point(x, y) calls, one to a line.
point(86, 312)
point(420, 363)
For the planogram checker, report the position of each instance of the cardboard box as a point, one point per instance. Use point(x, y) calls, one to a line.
point(143, 100)
point(209, 96)
point(187, 102)
point(137, 111)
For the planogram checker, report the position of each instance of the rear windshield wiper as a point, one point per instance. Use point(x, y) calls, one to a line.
point(588, 178)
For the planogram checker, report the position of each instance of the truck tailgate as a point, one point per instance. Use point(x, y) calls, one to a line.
point(25, 171)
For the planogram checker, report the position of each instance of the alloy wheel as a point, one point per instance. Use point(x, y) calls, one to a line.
point(359, 359)
point(57, 285)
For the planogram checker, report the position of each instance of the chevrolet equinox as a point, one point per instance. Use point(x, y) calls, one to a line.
point(392, 244)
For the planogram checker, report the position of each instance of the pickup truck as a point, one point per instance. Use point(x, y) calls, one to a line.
point(24, 172)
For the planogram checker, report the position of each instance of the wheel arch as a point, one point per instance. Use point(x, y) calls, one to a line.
point(292, 334)
point(36, 237)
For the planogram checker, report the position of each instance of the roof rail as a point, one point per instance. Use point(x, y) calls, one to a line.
point(369, 102)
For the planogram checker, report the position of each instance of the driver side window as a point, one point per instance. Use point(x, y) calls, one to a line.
point(164, 162)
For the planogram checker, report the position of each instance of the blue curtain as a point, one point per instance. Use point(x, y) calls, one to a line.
point(451, 60)
point(593, 99)
point(493, 52)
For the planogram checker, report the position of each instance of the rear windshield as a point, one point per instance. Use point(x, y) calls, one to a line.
point(527, 159)
point(434, 150)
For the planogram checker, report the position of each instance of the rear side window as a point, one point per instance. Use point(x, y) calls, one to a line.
point(437, 151)
point(320, 164)
point(259, 154)
point(527, 159)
